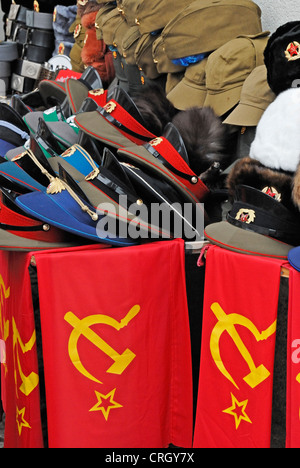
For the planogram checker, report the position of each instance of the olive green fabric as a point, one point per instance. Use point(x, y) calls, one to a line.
point(127, 9)
point(191, 89)
point(256, 96)
point(161, 60)
point(205, 25)
point(78, 32)
point(153, 15)
point(228, 67)
point(129, 43)
point(101, 14)
point(144, 57)
point(243, 241)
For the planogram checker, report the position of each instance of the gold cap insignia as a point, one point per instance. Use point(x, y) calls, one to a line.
point(97, 92)
point(293, 51)
point(246, 216)
point(155, 142)
point(272, 192)
point(110, 107)
point(36, 6)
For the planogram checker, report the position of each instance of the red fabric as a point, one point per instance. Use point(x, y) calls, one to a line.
point(238, 340)
point(116, 346)
point(293, 364)
point(20, 379)
point(169, 153)
point(121, 115)
point(95, 52)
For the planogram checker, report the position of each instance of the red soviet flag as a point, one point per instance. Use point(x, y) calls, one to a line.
point(234, 407)
point(20, 373)
point(293, 363)
point(116, 345)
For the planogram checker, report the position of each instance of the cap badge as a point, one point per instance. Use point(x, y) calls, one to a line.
point(293, 51)
point(69, 152)
point(246, 216)
point(155, 142)
point(110, 107)
point(97, 92)
point(77, 31)
point(272, 192)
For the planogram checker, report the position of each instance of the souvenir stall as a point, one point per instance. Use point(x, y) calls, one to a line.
point(149, 226)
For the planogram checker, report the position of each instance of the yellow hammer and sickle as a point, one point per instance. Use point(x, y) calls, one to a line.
point(227, 323)
point(82, 327)
point(31, 381)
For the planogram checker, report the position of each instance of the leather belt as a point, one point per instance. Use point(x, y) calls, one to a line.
point(36, 54)
point(27, 69)
point(5, 69)
point(17, 13)
point(21, 83)
point(38, 20)
point(8, 51)
point(39, 37)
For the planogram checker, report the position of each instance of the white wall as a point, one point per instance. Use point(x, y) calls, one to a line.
point(278, 12)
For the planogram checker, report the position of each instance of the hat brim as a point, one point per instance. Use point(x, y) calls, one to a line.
point(9, 241)
point(294, 258)
point(77, 92)
point(243, 241)
point(185, 95)
point(244, 115)
point(142, 158)
point(224, 101)
point(61, 130)
point(16, 174)
point(62, 211)
point(52, 89)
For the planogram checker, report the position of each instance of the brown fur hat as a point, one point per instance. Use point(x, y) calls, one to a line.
point(278, 184)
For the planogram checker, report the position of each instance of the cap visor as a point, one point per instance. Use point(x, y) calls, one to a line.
point(223, 102)
point(15, 173)
point(244, 116)
point(61, 130)
point(9, 241)
point(185, 95)
point(62, 211)
point(294, 258)
point(240, 240)
point(77, 92)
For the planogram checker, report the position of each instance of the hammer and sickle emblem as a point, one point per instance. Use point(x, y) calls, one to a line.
point(82, 327)
point(227, 323)
point(30, 381)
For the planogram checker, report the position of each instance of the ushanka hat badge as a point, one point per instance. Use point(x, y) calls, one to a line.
point(281, 57)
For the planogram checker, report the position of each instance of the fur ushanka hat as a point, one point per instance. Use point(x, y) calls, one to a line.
point(282, 57)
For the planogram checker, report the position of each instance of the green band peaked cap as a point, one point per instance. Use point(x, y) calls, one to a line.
point(205, 25)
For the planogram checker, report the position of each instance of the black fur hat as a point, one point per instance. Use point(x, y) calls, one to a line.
point(282, 57)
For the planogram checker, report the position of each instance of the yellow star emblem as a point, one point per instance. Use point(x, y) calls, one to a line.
point(21, 420)
point(238, 411)
point(106, 403)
